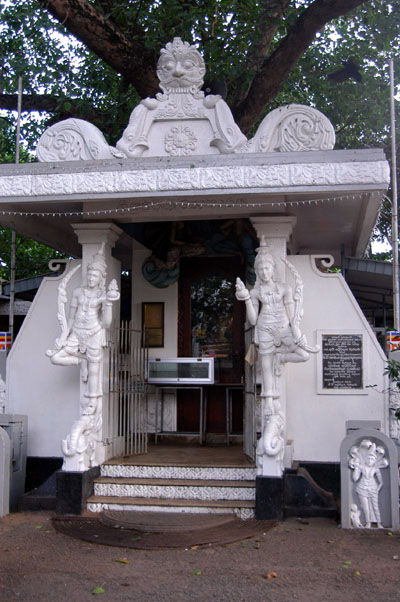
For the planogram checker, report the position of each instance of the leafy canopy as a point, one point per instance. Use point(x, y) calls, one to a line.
point(95, 60)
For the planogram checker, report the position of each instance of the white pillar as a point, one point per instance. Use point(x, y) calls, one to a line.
point(276, 231)
point(91, 236)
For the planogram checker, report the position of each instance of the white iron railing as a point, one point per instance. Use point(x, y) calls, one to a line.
point(127, 415)
point(249, 418)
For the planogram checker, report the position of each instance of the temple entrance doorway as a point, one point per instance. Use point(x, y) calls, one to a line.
point(211, 324)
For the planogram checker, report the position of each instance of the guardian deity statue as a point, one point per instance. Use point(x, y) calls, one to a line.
point(82, 342)
point(275, 312)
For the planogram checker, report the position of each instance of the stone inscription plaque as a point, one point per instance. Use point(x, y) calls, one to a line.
point(342, 364)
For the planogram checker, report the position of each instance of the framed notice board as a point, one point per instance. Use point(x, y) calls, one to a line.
point(342, 362)
point(153, 324)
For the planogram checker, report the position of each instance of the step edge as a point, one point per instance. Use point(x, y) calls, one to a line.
point(140, 501)
point(178, 482)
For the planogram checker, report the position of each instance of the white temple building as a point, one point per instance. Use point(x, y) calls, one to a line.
point(181, 204)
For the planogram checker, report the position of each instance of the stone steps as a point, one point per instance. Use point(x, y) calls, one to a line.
point(189, 489)
point(241, 508)
point(231, 473)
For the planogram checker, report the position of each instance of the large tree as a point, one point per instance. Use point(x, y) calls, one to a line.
point(268, 52)
point(95, 59)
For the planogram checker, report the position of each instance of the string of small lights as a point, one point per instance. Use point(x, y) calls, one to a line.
point(172, 204)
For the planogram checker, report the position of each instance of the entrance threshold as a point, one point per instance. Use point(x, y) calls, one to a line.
point(188, 455)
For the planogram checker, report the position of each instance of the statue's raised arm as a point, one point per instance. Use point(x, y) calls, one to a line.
point(275, 312)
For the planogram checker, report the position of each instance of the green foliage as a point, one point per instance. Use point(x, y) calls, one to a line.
point(32, 258)
point(226, 32)
point(7, 142)
point(383, 256)
point(359, 111)
point(393, 371)
point(53, 62)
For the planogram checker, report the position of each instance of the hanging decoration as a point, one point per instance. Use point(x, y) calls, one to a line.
point(175, 204)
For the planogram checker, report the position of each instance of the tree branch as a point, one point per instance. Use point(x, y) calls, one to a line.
point(44, 102)
point(126, 54)
point(269, 21)
point(277, 66)
point(61, 106)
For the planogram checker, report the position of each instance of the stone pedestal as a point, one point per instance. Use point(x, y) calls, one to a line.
point(73, 489)
point(269, 498)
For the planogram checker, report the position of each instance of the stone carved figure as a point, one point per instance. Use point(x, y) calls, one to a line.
point(181, 70)
point(83, 438)
point(272, 441)
point(183, 121)
point(355, 517)
point(82, 342)
point(366, 461)
point(275, 311)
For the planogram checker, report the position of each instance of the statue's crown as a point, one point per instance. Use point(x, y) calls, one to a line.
point(98, 261)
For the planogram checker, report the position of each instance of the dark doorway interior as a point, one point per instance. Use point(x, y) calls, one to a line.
point(211, 324)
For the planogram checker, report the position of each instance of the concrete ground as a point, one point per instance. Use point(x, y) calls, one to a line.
point(303, 560)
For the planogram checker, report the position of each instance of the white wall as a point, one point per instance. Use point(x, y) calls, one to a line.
point(47, 394)
point(143, 291)
point(316, 420)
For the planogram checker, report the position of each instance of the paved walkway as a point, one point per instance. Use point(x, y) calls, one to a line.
point(306, 561)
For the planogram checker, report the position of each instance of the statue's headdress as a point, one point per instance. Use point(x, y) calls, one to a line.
point(98, 261)
point(264, 254)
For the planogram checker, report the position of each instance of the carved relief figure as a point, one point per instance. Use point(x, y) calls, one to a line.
point(82, 440)
point(81, 343)
point(366, 460)
point(355, 517)
point(275, 312)
point(181, 70)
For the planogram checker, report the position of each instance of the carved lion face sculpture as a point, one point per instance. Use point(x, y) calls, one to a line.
point(180, 66)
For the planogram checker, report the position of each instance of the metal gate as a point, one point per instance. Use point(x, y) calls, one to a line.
point(127, 415)
point(249, 419)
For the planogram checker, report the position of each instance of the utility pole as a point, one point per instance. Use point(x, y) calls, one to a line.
point(395, 236)
point(13, 233)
